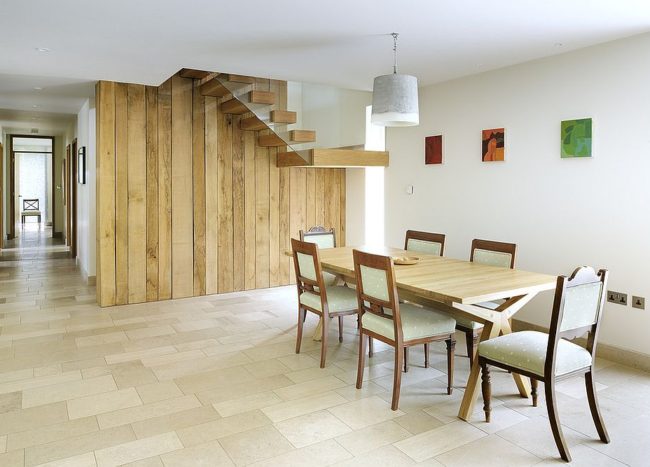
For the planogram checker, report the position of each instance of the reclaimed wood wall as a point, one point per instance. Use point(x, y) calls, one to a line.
point(188, 205)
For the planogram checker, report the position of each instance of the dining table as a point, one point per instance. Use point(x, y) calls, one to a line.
point(486, 294)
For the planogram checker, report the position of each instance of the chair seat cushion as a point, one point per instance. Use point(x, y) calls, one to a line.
point(31, 213)
point(339, 298)
point(527, 350)
point(416, 323)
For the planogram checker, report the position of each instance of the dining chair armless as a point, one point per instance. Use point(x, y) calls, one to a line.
point(324, 238)
point(577, 310)
point(397, 324)
point(315, 295)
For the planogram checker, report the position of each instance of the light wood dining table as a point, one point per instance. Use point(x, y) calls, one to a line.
point(458, 287)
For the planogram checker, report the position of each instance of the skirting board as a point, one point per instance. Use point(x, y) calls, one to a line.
point(89, 280)
point(608, 352)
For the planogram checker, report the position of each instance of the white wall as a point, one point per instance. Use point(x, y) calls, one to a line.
point(561, 213)
point(86, 193)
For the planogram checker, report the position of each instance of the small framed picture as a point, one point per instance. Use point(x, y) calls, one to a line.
point(433, 149)
point(81, 165)
point(493, 148)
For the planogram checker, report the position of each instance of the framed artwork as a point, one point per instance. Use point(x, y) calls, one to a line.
point(81, 165)
point(576, 138)
point(493, 148)
point(433, 149)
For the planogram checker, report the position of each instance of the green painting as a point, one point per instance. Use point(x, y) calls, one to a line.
point(576, 138)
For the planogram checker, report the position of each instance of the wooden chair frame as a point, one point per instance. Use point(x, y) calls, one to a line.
point(317, 287)
point(370, 304)
point(472, 336)
point(30, 207)
point(581, 276)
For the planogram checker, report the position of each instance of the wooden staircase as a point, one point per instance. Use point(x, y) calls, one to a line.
point(239, 97)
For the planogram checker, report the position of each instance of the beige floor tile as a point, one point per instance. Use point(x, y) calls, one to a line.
point(138, 354)
point(309, 388)
point(102, 403)
point(244, 404)
point(324, 453)
point(13, 458)
point(11, 401)
point(584, 455)
point(365, 412)
point(297, 407)
point(154, 392)
point(66, 391)
point(207, 455)
point(387, 456)
point(372, 437)
point(130, 374)
point(155, 461)
point(82, 460)
point(311, 428)
point(78, 445)
point(209, 380)
point(488, 452)
point(172, 358)
point(216, 429)
point(27, 419)
point(298, 361)
point(189, 367)
point(418, 422)
point(501, 418)
point(224, 391)
point(439, 440)
point(136, 450)
point(51, 433)
point(155, 409)
point(308, 374)
point(267, 368)
point(3, 443)
point(351, 393)
point(27, 383)
point(255, 445)
point(153, 331)
point(629, 443)
point(106, 338)
point(175, 421)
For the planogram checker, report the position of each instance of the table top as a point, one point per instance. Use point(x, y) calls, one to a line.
point(443, 279)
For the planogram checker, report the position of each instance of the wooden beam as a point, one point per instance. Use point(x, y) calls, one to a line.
point(348, 158)
point(291, 159)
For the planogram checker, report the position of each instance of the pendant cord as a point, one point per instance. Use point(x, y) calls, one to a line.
point(394, 34)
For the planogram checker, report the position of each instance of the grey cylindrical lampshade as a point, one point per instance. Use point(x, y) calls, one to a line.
point(395, 101)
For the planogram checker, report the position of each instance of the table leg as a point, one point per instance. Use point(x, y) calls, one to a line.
point(490, 330)
point(523, 383)
point(318, 331)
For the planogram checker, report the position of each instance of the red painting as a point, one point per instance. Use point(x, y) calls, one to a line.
point(433, 149)
point(493, 145)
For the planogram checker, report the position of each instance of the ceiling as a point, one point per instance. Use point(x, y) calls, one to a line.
point(343, 43)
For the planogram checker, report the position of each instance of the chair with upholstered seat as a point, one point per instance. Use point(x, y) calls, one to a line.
point(316, 295)
point(490, 253)
point(319, 235)
point(397, 324)
point(430, 244)
point(30, 209)
point(577, 310)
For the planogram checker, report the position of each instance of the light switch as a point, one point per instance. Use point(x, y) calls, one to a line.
point(409, 190)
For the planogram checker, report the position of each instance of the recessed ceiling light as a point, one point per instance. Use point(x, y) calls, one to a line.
point(43, 49)
point(558, 44)
point(35, 106)
point(38, 88)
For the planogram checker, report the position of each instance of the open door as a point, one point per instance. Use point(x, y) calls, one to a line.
point(70, 197)
point(11, 228)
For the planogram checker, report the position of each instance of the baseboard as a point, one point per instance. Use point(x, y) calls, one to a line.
point(92, 280)
point(89, 280)
point(608, 352)
point(57, 234)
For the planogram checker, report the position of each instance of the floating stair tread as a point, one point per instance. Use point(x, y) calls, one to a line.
point(194, 74)
point(240, 79)
point(238, 105)
point(214, 88)
point(294, 136)
point(333, 158)
point(283, 116)
point(252, 124)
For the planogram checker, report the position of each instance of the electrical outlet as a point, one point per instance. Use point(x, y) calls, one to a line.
point(619, 298)
point(638, 302)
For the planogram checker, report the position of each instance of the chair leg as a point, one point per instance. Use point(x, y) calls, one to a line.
point(533, 390)
point(340, 328)
point(301, 321)
point(595, 410)
point(551, 406)
point(486, 389)
point(362, 359)
point(426, 355)
point(371, 347)
point(397, 376)
point(451, 350)
point(471, 338)
point(323, 344)
point(406, 359)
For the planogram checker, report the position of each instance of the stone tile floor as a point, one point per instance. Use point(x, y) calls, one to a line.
point(215, 381)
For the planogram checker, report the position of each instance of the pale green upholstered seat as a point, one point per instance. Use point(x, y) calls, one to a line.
point(324, 241)
point(339, 298)
point(416, 323)
point(527, 350)
point(423, 246)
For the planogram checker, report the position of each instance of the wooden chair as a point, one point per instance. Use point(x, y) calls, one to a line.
point(30, 209)
point(315, 295)
point(320, 236)
point(431, 244)
point(577, 310)
point(397, 324)
point(491, 253)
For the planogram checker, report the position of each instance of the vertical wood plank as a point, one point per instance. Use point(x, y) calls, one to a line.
point(152, 193)
point(212, 195)
point(165, 190)
point(238, 206)
point(224, 187)
point(198, 178)
point(274, 219)
point(297, 186)
point(137, 193)
point(249, 208)
point(285, 225)
point(319, 196)
point(121, 195)
point(310, 197)
point(342, 207)
point(331, 198)
point(105, 185)
point(261, 217)
point(182, 193)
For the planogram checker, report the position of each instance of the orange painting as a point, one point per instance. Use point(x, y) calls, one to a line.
point(494, 145)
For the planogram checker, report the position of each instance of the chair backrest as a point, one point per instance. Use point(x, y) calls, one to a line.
point(320, 236)
point(425, 242)
point(309, 274)
point(30, 204)
point(376, 289)
point(492, 253)
point(577, 309)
